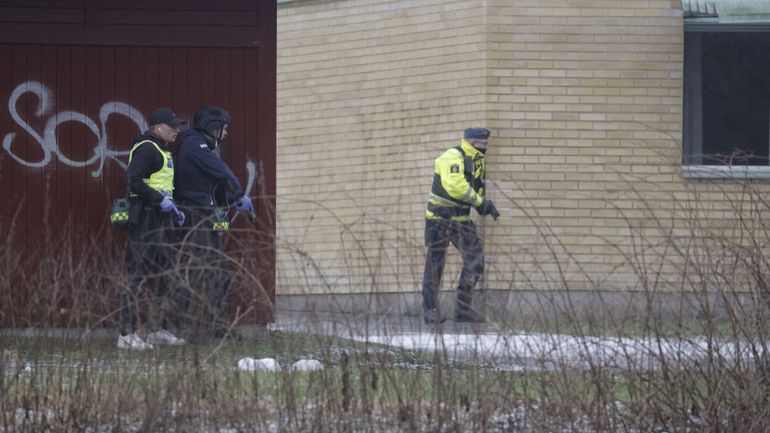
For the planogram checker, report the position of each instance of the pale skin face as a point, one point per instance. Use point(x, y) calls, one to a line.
point(224, 132)
point(165, 132)
point(479, 144)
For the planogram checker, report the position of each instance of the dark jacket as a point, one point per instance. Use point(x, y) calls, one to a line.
point(145, 161)
point(200, 177)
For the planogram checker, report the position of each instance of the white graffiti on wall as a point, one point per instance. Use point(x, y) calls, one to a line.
point(48, 141)
point(251, 169)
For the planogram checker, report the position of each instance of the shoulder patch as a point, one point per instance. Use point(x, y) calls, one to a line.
point(204, 146)
point(454, 168)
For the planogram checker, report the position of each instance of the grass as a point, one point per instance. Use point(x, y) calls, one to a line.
point(89, 386)
point(66, 385)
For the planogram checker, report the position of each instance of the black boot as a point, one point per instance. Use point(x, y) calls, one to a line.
point(432, 316)
point(463, 311)
point(469, 315)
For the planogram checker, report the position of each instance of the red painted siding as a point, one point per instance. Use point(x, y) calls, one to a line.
point(78, 78)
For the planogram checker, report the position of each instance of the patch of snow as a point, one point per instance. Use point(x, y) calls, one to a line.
point(264, 364)
point(307, 365)
point(513, 350)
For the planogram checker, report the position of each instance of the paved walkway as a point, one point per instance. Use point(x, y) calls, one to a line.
point(509, 349)
point(491, 345)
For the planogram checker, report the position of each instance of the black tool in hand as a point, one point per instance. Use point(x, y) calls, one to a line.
point(252, 217)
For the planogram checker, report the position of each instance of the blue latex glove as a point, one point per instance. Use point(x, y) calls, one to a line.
point(180, 217)
point(244, 204)
point(167, 205)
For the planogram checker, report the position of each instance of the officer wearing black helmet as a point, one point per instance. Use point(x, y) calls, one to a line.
point(204, 184)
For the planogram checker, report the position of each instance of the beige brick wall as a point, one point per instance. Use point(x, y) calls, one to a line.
point(369, 92)
point(584, 98)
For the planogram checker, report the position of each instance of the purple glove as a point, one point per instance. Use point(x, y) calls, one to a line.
point(167, 205)
point(180, 217)
point(244, 204)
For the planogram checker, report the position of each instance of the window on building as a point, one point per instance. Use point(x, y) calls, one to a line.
point(727, 97)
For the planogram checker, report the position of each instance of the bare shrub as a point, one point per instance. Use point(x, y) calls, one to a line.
point(673, 339)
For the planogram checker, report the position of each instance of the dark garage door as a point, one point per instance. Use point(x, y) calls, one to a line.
point(77, 81)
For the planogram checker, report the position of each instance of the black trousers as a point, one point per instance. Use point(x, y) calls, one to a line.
point(464, 237)
point(151, 254)
point(205, 268)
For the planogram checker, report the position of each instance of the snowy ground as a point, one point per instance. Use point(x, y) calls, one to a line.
point(482, 347)
point(510, 350)
point(514, 351)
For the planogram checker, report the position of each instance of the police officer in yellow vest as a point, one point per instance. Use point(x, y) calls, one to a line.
point(458, 185)
point(150, 179)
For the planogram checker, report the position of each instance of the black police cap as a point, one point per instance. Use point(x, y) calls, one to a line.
point(165, 115)
point(477, 133)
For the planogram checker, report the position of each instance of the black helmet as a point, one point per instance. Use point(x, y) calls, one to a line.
point(211, 119)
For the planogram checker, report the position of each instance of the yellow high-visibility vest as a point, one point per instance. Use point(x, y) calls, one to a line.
point(458, 183)
point(163, 179)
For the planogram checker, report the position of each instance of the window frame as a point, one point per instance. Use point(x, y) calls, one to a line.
point(701, 171)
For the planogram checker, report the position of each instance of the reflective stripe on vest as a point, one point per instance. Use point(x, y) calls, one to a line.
point(163, 179)
point(442, 206)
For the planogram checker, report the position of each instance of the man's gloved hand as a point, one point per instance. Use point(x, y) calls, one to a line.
point(180, 217)
point(495, 214)
point(244, 204)
point(488, 208)
point(167, 205)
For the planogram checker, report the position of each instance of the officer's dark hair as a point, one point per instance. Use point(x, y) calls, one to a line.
point(211, 119)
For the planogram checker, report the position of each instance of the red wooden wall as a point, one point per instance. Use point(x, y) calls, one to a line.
point(78, 79)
